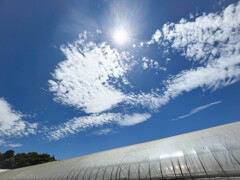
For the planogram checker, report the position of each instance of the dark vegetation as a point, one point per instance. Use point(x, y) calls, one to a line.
point(9, 160)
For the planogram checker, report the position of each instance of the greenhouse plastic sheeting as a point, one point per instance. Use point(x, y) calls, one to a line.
point(209, 153)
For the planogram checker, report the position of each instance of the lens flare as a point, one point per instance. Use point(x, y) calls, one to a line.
point(121, 36)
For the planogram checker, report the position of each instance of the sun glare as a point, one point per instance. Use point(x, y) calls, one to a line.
point(121, 36)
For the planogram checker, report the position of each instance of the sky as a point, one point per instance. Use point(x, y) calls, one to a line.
point(79, 77)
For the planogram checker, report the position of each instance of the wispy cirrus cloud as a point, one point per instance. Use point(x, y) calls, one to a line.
point(91, 79)
point(83, 123)
point(94, 75)
point(7, 144)
point(12, 123)
point(207, 37)
point(196, 110)
point(104, 131)
point(78, 124)
point(212, 40)
point(2, 142)
point(15, 145)
point(130, 120)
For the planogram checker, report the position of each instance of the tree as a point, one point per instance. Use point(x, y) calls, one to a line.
point(8, 154)
point(10, 161)
point(21, 160)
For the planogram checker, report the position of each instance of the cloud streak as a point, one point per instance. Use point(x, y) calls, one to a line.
point(12, 123)
point(15, 145)
point(93, 78)
point(131, 120)
point(208, 37)
point(105, 131)
point(196, 110)
point(83, 123)
point(7, 144)
point(213, 41)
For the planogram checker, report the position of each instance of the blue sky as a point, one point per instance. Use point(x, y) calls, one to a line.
point(78, 77)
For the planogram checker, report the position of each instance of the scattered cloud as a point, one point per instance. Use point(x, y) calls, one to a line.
point(2, 142)
point(155, 38)
point(12, 123)
point(150, 64)
point(206, 38)
point(15, 145)
point(168, 59)
point(90, 78)
point(7, 144)
point(196, 110)
point(78, 124)
point(191, 16)
point(222, 72)
point(87, 78)
point(96, 120)
point(105, 131)
point(98, 31)
point(162, 68)
point(212, 40)
point(130, 120)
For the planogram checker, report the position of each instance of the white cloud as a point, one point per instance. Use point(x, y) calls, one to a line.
point(86, 78)
point(103, 131)
point(7, 144)
point(168, 59)
point(196, 110)
point(162, 68)
point(98, 31)
point(214, 41)
point(223, 72)
point(15, 145)
point(130, 120)
point(78, 124)
point(96, 120)
point(2, 142)
point(155, 37)
point(11, 123)
point(150, 63)
point(145, 65)
point(208, 37)
point(191, 16)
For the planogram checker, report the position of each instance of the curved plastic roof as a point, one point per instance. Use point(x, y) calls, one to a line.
point(213, 152)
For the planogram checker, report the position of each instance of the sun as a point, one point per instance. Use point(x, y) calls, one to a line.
point(121, 36)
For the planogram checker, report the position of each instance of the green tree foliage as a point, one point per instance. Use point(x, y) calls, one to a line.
point(8, 154)
point(10, 161)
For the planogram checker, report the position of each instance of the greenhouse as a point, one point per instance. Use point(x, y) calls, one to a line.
point(208, 153)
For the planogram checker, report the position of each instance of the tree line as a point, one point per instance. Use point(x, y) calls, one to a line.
point(9, 160)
